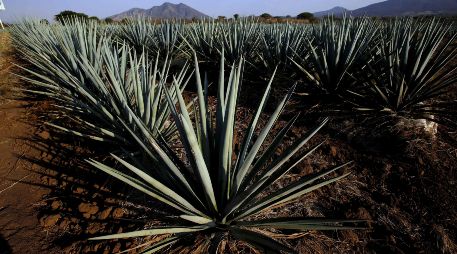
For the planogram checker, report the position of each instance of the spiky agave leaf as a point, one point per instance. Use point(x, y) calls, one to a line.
point(218, 192)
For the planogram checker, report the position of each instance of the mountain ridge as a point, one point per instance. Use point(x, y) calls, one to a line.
point(165, 11)
point(336, 11)
point(399, 8)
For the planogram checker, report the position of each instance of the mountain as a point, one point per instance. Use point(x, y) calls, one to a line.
point(408, 7)
point(336, 11)
point(164, 11)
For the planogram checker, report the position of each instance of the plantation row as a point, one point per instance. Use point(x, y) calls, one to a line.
point(376, 68)
point(123, 85)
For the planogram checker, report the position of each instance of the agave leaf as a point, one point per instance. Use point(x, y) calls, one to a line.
point(257, 187)
point(261, 161)
point(141, 186)
point(170, 194)
point(164, 243)
point(196, 219)
point(152, 232)
point(292, 191)
point(203, 172)
point(260, 241)
point(253, 124)
point(76, 132)
point(261, 138)
point(304, 223)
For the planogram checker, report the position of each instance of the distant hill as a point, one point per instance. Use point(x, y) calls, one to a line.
point(164, 11)
point(408, 7)
point(336, 11)
point(399, 8)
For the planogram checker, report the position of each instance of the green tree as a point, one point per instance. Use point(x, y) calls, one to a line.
point(236, 16)
point(109, 20)
point(62, 16)
point(305, 15)
point(266, 16)
point(94, 18)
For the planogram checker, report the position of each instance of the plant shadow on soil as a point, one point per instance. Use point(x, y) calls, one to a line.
point(83, 202)
point(4, 246)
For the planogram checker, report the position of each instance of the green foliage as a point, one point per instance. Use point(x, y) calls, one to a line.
point(66, 15)
point(305, 15)
point(240, 38)
point(266, 16)
point(109, 20)
point(143, 34)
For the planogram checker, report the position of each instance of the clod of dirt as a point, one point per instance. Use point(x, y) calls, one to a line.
point(363, 214)
point(44, 135)
point(79, 190)
point(88, 209)
point(118, 213)
point(92, 249)
point(117, 248)
point(333, 151)
point(94, 228)
point(50, 181)
point(50, 220)
point(64, 224)
point(56, 204)
point(105, 213)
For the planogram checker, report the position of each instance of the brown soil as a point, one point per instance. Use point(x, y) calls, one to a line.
point(20, 230)
point(51, 202)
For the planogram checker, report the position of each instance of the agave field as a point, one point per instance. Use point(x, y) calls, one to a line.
point(213, 134)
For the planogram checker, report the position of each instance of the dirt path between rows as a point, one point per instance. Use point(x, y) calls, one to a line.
point(20, 230)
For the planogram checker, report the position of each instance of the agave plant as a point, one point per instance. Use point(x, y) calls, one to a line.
point(281, 42)
point(167, 38)
point(240, 38)
point(415, 68)
point(336, 48)
point(218, 190)
point(138, 33)
point(92, 82)
point(203, 37)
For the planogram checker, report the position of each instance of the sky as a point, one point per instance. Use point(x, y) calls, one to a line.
point(18, 9)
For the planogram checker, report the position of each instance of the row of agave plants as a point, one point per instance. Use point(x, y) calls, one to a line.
point(117, 85)
point(384, 70)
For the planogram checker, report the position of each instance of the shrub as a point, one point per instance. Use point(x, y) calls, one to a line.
point(305, 15)
point(67, 15)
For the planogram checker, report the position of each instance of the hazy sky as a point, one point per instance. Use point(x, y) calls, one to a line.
point(16, 9)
